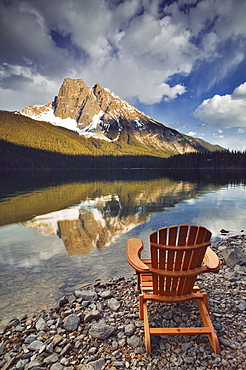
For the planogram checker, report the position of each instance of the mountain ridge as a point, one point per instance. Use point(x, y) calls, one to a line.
point(99, 113)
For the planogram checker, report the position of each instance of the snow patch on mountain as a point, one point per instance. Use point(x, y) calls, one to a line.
point(93, 129)
point(46, 113)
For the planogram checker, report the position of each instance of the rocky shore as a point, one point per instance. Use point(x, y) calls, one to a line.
point(99, 328)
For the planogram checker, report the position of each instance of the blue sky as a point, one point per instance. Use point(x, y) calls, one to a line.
point(182, 62)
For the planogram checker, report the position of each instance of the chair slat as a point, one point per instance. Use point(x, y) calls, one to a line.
point(154, 259)
point(172, 237)
point(177, 267)
point(186, 260)
point(183, 229)
point(163, 235)
point(192, 235)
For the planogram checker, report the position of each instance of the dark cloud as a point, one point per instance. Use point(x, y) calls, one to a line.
point(14, 82)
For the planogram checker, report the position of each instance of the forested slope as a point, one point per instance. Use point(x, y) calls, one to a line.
point(24, 131)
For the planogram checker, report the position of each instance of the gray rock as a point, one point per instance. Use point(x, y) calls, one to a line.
point(118, 364)
point(186, 346)
point(129, 329)
point(240, 269)
point(86, 295)
point(234, 256)
point(57, 366)
point(21, 364)
point(106, 294)
point(231, 276)
point(68, 348)
point(71, 322)
point(92, 350)
point(114, 304)
point(92, 315)
point(51, 359)
point(63, 301)
point(33, 365)
point(242, 306)
point(98, 364)
point(133, 341)
point(101, 331)
point(35, 345)
point(19, 328)
point(225, 342)
point(50, 348)
point(41, 324)
point(30, 338)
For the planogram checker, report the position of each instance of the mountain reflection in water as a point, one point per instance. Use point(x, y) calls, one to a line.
point(105, 212)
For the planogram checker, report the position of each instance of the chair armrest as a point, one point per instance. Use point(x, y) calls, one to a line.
point(134, 246)
point(211, 260)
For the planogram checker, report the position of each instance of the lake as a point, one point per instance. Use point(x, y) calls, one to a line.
point(62, 230)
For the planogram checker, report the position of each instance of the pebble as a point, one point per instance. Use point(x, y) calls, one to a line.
point(99, 327)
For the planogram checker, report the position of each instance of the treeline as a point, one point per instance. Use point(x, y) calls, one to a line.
point(209, 160)
point(13, 156)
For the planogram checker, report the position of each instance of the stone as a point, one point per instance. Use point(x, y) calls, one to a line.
point(98, 364)
point(133, 341)
point(105, 294)
point(86, 295)
point(233, 256)
point(92, 315)
point(21, 364)
point(68, 348)
point(242, 306)
point(101, 331)
point(35, 345)
point(224, 341)
point(71, 322)
point(63, 301)
point(34, 365)
point(129, 329)
point(30, 338)
point(57, 339)
point(41, 324)
point(114, 304)
point(57, 366)
point(51, 359)
point(231, 276)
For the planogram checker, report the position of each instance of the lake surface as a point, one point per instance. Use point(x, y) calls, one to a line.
point(59, 231)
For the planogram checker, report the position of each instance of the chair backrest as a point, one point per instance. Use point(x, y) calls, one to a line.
point(176, 258)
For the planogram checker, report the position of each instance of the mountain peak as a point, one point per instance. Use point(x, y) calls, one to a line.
point(99, 112)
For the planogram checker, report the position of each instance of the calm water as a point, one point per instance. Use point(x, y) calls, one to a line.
point(60, 231)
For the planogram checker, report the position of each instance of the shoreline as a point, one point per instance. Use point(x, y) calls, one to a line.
point(99, 328)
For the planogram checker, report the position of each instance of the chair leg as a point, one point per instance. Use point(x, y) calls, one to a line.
point(141, 312)
point(138, 280)
point(206, 301)
point(146, 328)
point(202, 306)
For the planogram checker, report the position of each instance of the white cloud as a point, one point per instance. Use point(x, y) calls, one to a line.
point(227, 110)
point(192, 133)
point(133, 47)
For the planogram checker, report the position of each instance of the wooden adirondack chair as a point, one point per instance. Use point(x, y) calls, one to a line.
point(178, 254)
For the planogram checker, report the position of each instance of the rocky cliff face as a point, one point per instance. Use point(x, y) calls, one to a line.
point(100, 113)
